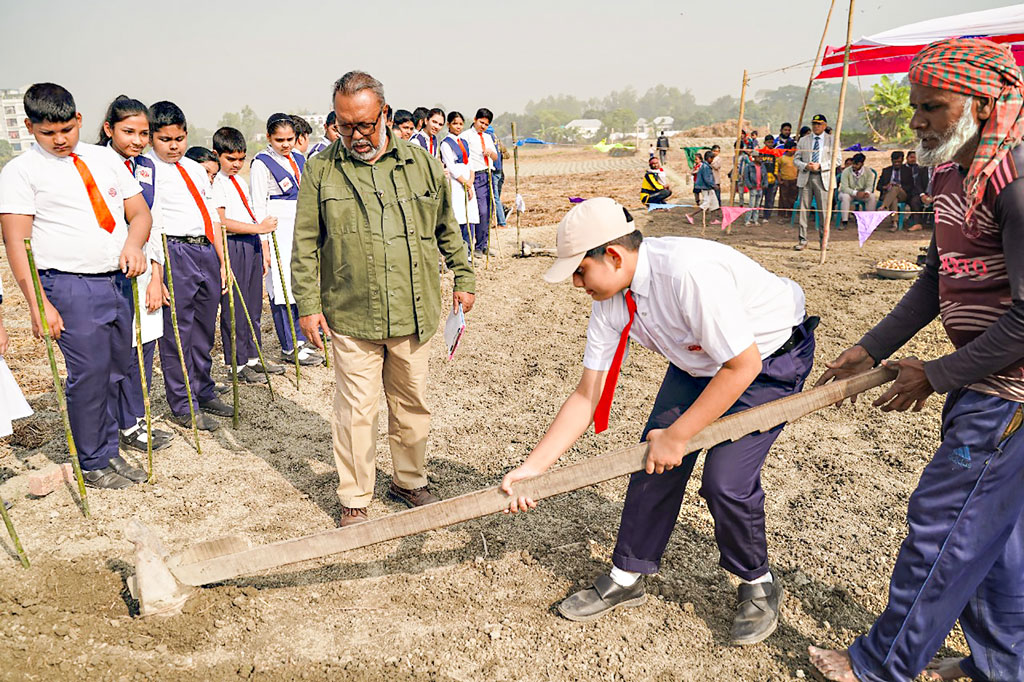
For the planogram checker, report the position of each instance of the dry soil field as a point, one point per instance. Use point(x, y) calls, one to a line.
point(472, 602)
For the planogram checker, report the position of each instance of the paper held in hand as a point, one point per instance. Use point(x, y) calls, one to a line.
point(453, 328)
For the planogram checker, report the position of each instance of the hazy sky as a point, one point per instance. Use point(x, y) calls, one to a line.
point(216, 56)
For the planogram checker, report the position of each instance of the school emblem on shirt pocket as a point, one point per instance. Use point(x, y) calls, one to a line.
point(144, 175)
point(286, 184)
point(112, 192)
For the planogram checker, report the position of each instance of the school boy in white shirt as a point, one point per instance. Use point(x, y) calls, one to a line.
point(735, 336)
point(329, 136)
point(88, 223)
point(249, 260)
point(197, 266)
point(482, 155)
point(428, 136)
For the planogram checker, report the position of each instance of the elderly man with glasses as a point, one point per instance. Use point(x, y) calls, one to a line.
point(373, 212)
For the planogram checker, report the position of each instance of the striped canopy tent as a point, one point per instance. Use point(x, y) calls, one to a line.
point(892, 51)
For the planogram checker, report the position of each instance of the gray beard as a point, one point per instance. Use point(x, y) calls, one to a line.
point(372, 153)
point(965, 130)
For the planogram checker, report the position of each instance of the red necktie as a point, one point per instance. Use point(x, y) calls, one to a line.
point(295, 169)
point(431, 138)
point(99, 206)
point(465, 152)
point(128, 165)
point(242, 195)
point(483, 150)
point(200, 204)
point(604, 405)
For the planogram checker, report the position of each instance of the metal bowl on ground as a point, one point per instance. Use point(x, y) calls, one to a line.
point(889, 273)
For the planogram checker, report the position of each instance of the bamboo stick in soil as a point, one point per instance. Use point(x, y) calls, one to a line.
point(814, 67)
point(252, 330)
point(177, 340)
point(22, 557)
point(515, 161)
point(836, 145)
point(142, 377)
point(233, 334)
point(288, 308)
point(62, 402)
point(739, 145)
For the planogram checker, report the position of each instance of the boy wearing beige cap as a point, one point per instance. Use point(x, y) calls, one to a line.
point(736, 336)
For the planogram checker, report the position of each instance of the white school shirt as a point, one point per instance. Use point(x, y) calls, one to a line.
point(453, 163)
point(226, 196)
point(179, 213)
point(65, 232)
point(699, 303)
point(423, 140)
point(154, 245)
point(263, 184)
point(314, 149)
point(477, 161)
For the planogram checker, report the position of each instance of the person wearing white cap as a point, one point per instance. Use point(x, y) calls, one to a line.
point(736, 336)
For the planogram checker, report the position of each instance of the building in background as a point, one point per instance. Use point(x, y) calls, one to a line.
point(584, 127)
point(12, 121)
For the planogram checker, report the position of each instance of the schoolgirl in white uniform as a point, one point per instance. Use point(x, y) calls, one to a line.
point(125, 129)
point(455, 157)
point(274, 182)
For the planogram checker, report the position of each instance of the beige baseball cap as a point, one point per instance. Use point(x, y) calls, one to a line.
point(587, 225)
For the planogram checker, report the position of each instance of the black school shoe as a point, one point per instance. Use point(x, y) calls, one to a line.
point(757, 614)
point(203, 422)
point(221, 389)
point(106, 478)
point(600, 598)
point(218, 407)
point(270, 368)
point(136, 440)
point(248, 375)
point(123, 468)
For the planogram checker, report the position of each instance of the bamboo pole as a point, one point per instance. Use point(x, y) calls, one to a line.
point(835, 141)
point(252, 330)
point(14, 535)
point(515, 160)
point(61, 400)
point(288, 309)
point(177, 340)
point(814, 67)
point(142, 376)
point(472, 233)
point(739, 140)
point(233, 335)
point(327, 351)
point(490, 216)
point(739, 146)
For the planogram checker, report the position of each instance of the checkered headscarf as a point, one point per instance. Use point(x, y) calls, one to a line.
point(979, 68)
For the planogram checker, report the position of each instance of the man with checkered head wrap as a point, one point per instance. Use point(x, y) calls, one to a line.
point(963, 557)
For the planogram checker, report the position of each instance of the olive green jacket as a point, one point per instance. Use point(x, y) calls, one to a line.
point(332, 263)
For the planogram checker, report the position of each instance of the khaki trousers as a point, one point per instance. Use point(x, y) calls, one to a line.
point(359, 367)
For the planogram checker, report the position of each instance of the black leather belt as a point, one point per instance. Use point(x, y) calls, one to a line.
point(800, 332)
point(188, 240)
point(54, 271)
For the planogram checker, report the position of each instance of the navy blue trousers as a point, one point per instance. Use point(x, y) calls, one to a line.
point(732, 474)
point(482, 187)
point(131, 406)
point(196, 271)
point(281, 326)
point(96, 343)
point(247, 265)
point(963, 555)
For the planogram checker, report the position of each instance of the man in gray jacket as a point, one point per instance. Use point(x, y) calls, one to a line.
point(814, 161)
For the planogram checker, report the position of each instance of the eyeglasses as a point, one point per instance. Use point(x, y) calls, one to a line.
point(363, 128)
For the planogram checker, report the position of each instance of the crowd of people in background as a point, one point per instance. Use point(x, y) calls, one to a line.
point(774, 174)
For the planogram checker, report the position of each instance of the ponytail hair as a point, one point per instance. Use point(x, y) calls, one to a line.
point(121, 108)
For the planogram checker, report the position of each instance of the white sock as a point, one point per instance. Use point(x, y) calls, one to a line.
point(252, 362)
point(623, 578)
point(766, 578)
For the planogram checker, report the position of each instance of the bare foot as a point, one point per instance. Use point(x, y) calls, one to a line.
point(944, 669)
point(834, 665)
